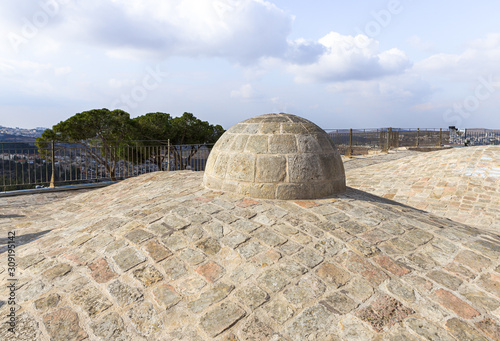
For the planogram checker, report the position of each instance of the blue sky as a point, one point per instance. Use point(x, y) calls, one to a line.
point(362, 64)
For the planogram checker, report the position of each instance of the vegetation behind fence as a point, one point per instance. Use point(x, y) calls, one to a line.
point(24, 165)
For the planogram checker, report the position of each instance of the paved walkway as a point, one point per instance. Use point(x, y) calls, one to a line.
point(158, 257)
point(462, 184)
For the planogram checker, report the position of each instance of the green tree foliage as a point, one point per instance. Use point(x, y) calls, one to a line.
point(187, 134)
point(110, 136)
point(99, 131)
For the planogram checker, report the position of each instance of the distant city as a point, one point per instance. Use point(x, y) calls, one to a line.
point(20, 134)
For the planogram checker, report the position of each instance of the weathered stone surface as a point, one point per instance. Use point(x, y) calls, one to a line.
point(491, 283)
point(452, 302)
point(138, 236)
point(64, 324)
point(428, 330)
point(339, 303)
point(449, 281)
point(101, 272)
point(211, 296)
point(193, 257)
point(123, 293)
point(308, 257)
point(392, 266)
point(384, 311)
point(48, 302)
point(128, 258)
point(145, 319)
point(157, 251)
point(279, 310)
point(308, 323)
point(234, 239)
point(279, 160)
point(209, 246)
point(254, 329)
point(250, 249)
point(166, 296)
point(306, 290)
point(273, 280)
point(401, 290)
point(462, 331)
point(110, 327)
point(333, 275)
point(489, 327)
point(221, 318)
point(174, 268)
point(57, 271)
point(211, 271)
point(91, 300)
point(292, 269)
point(148, 275)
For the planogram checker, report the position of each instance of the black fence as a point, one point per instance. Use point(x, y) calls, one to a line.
point(361, 141)
point(23, 165)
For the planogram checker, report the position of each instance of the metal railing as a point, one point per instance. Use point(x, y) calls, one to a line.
point(25, 166)
point(359, 141)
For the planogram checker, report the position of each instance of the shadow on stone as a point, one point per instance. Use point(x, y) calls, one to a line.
point(21, 239)
point(6, 216)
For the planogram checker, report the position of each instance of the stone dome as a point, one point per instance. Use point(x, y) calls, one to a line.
point(276, 156)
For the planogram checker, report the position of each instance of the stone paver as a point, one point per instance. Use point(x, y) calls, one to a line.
point(107, 264)
point(461, 184)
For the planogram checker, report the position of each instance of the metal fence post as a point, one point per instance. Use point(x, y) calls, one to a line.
point(418, 131)
point(168, 155)
point(349, 149)
point(53, 177)
point(440, 137)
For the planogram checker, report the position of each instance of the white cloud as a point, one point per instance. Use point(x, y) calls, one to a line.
point(245, 92)
point(480, 58)
point(351, 58)
point(242, 31)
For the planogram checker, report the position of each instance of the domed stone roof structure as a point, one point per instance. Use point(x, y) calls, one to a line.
point(276, 156)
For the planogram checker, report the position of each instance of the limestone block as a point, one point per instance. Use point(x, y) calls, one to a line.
point(282, 144)
point(241, 167)
point(270, 168)
point(304, 167)
point(257, 144)
point(239, 143)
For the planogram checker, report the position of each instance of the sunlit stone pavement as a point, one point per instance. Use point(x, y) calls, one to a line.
point(159, 257)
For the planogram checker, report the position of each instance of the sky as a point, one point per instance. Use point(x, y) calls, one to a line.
point(340, 64)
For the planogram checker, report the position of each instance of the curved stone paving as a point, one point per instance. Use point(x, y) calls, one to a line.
point(462, 184)
point(158, 257)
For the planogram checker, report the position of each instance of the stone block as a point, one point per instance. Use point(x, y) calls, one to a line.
point(304, 168)
point(384, 311)
point(221, 318)
point(241, 167)
point(124, 294)
point(282, 144)
point(211, 271)
point(252, 296)
point(257, 144)
point(166, 296)
point(270, 168)
point(333, 275)
point(148, 275)
point(91, 300)
point(455, 304)
point(128, 258)
point(110, 327)
point(63, 324)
